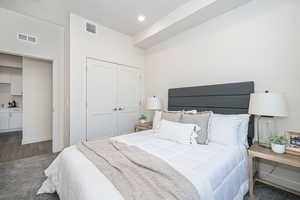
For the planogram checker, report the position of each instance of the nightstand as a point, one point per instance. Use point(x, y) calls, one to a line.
point(142, 127)
point(256, 151)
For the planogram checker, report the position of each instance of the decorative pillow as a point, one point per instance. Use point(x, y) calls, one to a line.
point(173, 116)
point(201, 119)
point(177, 132)
point(224, 129)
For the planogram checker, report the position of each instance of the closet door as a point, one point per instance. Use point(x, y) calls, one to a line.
point(128, 99)
point(101, 100)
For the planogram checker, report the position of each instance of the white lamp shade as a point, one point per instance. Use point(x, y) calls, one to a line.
point(268, 104)
point(153, 103)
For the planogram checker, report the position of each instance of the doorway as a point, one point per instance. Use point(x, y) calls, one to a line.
point(26, 107)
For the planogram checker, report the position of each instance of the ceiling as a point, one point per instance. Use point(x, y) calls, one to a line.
point(120, 15)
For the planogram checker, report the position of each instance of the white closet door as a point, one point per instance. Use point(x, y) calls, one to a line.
point(128, 99)
point(101, 100)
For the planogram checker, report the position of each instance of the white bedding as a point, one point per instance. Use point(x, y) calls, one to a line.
point(218, 172)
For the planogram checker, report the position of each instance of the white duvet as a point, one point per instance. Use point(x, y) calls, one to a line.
point(218, 172)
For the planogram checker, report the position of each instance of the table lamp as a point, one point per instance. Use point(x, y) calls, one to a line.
point(153, 103)
point(267, 105)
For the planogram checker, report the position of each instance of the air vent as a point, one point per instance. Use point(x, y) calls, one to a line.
point(22, 37)
point(26, 37)
point(91, 28)
point(31, 39)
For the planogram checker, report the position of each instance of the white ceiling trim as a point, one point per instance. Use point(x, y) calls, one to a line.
point(189, 15)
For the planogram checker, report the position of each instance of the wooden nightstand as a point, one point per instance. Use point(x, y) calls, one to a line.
point(256, 151)
point(142, 127)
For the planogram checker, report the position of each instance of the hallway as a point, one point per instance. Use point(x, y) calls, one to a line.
point(12, 149)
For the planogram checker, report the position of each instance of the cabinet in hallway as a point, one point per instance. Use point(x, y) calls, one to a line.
point(11, 120)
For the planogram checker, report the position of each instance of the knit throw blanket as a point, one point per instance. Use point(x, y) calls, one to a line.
point(136, 174)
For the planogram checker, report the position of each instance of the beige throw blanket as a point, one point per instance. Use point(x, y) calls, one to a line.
point(136, 174)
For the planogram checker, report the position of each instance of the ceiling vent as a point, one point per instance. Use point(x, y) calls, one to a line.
point(27, 38)
point(91, 28)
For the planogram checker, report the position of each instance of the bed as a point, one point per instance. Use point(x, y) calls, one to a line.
point(216, 171)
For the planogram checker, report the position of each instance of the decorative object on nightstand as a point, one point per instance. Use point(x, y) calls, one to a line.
point(293, 144)
point(257, 151)
point(267, 105)
point(278, 144)
point(142, 127)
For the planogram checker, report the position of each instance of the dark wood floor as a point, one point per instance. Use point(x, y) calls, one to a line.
point(12, 149)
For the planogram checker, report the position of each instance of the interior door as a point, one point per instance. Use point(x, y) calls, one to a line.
point(37, 100)
point(128, 99)
point(101, 99)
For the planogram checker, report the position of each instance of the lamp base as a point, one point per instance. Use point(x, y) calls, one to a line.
point(265, 129)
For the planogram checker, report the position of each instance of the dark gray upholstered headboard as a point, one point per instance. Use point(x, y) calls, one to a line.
point(232, 98)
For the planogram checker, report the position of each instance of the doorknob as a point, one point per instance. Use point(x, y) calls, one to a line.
point(115, 109)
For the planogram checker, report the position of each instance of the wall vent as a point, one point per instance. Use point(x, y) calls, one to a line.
point(26, 37)
point(31, 39)
point(22, 36)
point(91, 28)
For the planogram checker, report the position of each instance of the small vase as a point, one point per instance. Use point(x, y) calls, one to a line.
point(278, 148)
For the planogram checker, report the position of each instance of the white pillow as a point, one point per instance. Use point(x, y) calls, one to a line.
point(243, 130)
point(178, 132)
point(224, 129)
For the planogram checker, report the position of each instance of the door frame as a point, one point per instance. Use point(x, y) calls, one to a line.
point(58, 132)
point(84, 84)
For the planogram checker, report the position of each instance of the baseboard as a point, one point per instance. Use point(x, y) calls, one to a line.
point(35, 140)
point(10, 130)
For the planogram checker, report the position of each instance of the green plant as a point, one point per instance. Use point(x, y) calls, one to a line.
point(277, 140)
point(142, 117)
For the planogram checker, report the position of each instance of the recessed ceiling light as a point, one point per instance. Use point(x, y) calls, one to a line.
point(141, 18)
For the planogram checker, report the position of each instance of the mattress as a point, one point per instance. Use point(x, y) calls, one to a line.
point(218, 172)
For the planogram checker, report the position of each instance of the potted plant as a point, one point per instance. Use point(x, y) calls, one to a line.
point(278, 143)
point(142, 119)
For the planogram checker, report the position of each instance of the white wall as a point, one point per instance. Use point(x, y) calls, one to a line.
point(106, 45)
point(37, 100)
point(257, 42)
point(50, 46)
